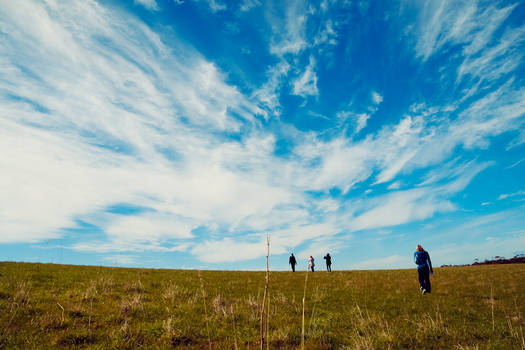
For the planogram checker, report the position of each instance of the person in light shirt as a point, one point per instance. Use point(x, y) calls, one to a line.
point(311, 263)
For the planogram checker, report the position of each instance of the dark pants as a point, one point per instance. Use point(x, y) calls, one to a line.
point(312, 268)
point(293, 267)
point(329, 267)
point(423, 275)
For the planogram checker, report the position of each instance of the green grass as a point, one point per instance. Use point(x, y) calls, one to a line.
point(56, 306)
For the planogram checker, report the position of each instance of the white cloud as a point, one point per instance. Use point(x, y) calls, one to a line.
point(216, 6)
point(117, 246)
point(110, 129)
point(247, 5)
point(515, 163)
point(362, 119)
point(443, 23)
point(291, 40)
point(495, 61)
point(510, 195)
point(148, 4)
point(490, 49)
point(517, 141)
point(306, 84)
point(149, 226)
point(376, 98)
point(268, 94)
point(401, 207)
point(326, 34)
point(394, 185)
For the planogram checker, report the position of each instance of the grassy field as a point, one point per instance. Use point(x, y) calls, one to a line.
point(57, 306)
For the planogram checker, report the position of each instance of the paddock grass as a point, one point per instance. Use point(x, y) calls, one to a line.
point(58, 306)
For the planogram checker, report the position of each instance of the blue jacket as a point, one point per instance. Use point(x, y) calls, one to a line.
point(422, 259)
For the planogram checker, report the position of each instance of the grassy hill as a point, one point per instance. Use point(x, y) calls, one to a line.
point(57, 306)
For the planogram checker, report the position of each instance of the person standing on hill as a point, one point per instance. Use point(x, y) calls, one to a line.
point(424, 268)
point(311, 263)
point(328, 259)
point(292, 262)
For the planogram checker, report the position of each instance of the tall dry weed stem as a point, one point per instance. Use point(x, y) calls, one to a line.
point(304, 299)
point(62, 318)
point(261, 340)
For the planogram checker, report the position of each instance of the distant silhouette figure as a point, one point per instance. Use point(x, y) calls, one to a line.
point(292, 262)
point(328, 259)
point(424, 268)
point(311, 263)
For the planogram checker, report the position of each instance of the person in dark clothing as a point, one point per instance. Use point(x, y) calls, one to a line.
point(292, 262)
point(328, 259)
point(424, 268)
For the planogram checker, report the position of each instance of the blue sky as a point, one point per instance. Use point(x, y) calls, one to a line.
point(179, 134)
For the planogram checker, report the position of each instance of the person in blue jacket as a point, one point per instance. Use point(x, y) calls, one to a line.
point(424, 268)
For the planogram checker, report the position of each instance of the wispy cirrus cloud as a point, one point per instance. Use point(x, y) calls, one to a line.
point(148, 4)
point(445, 23)
point(306, 84)
point(377, 98)
point(510, 195)
point(113, 105)
point(489, 48)
point(247, 5)
point(291, 40)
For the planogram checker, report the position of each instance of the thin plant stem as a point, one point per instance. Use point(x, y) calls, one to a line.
point(304, 299)
point(268, 322)
point(261, 340)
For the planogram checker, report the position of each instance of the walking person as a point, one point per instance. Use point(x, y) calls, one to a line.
point(424, 268)
point(311, 263)
point(292, 262)
point(328, 259)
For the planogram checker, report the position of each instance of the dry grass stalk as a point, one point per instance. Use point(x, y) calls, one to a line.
point(268, 323)
point(304, 299)
point(205, 309)
point(261, 340)
point(62, 319)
